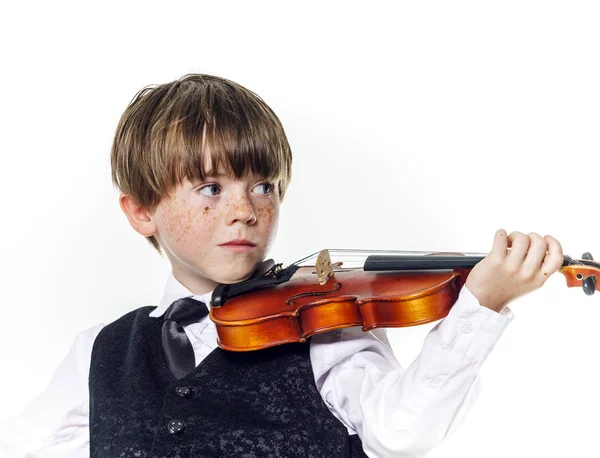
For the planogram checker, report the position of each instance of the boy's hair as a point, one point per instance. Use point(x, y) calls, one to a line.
point(165, 131)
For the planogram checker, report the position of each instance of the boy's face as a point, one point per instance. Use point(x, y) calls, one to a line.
point(217, 231)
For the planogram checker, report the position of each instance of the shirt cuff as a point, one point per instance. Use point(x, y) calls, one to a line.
point(471, 329)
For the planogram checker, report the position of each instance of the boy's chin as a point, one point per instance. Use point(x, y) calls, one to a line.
point(257, 271)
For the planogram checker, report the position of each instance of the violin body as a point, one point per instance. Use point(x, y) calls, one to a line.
point(302, 307)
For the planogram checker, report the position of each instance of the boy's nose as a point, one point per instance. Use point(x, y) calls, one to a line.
point(242, 211)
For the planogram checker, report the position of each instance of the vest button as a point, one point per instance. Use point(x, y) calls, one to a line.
point(175, 426)
point(183, 391)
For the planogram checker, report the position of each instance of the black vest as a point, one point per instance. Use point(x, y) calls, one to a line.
point(261, 404)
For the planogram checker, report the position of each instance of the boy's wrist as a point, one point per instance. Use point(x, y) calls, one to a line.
point(495, 303)
point(492, 305)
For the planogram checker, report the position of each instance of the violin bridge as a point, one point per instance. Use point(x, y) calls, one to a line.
point(324, 267)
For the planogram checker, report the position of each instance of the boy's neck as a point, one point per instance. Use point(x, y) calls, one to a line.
point(195, 285)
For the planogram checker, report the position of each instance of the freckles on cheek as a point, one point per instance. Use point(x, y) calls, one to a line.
point(195, 227)
point(266, 213)
point(201, 227)
point(188, 225)
point(178, 222)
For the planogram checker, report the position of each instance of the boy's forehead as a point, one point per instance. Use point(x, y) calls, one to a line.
point(219, 167)
point(221, 170)
point(207, 161)
point(209, 170)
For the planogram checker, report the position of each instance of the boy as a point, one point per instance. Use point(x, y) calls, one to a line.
point(202, 165)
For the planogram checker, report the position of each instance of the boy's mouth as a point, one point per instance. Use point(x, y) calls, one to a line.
point(238, 245)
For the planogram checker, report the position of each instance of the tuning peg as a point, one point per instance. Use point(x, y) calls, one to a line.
point(587, 256)
point(589, 285)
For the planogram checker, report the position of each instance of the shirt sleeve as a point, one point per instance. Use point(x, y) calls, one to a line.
point(56, 423)
point(406, 412)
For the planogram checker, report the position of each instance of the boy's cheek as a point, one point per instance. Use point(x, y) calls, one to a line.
point(181, 224)
point(268, 212)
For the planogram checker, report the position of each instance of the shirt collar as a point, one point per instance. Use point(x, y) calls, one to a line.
point(173, 291)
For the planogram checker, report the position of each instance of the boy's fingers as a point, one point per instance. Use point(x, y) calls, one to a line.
point(519, 244)
point(500, 244)
point(555, 257)
point(536, 253)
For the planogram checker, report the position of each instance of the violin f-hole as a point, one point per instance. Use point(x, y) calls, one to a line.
point(290, 301)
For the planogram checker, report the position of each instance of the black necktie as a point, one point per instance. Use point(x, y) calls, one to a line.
point(176, 345)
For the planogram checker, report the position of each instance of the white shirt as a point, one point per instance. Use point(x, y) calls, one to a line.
point(396, 411)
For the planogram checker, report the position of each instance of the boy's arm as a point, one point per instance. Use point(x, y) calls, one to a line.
point(406, 412)
point(56, 423)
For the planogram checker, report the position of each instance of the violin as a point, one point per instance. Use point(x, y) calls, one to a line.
point(390, 289)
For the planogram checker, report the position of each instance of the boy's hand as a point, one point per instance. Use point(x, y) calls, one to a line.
point(505, 274)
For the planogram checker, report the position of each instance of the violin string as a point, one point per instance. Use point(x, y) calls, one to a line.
point(348, 252)
point(341, 252)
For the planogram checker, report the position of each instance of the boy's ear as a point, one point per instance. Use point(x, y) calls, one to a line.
point(139, 218)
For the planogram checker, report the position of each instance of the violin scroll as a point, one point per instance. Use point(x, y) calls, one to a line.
point(583, 272)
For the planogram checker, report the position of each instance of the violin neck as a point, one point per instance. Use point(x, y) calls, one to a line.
point(411, 262)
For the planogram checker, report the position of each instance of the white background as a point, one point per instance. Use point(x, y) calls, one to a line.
point(414, 126)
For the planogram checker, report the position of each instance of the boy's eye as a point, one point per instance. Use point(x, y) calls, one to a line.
point(210, 190)
point(265, 188)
